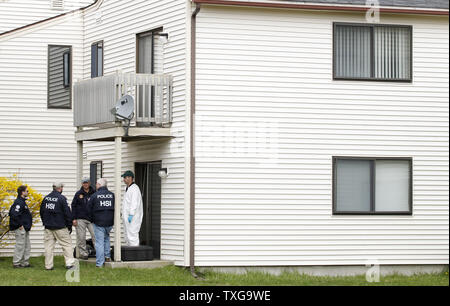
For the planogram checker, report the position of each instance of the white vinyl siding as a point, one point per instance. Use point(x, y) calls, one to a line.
point(267, 200)
point(57, 4)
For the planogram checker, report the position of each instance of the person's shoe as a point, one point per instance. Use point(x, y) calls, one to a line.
point(49, 269)
point(69, 267)
point(99, 266)
point(26, 265)
point(17, 266)
point(107, 259)
point(84, 257)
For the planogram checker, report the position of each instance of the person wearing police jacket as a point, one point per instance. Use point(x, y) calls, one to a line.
point(101, 213)
point(81, 216)
point(57, 220)
point(20, 222)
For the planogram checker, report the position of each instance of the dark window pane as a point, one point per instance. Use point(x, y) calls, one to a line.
point(96, 169)
point(97, 60)
point(66, 69)
point(352, 52)
point(94, 64)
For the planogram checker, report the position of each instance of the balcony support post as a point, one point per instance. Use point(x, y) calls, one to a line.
point(118, 198)
point(79, 173)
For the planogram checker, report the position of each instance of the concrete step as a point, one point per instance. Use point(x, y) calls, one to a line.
point(134, 264)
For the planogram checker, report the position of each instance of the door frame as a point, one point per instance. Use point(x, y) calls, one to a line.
point(156, 162)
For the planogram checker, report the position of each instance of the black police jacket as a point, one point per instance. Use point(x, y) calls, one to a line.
point(79, 203)
point(101, 207)
point(20, 215)
point(55, 212)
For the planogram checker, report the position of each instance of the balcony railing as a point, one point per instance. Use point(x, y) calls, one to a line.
point(94, 99)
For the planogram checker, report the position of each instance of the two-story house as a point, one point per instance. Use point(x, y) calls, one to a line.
point(277, 134)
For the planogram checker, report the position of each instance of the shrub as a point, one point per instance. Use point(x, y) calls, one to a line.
point(8, 193)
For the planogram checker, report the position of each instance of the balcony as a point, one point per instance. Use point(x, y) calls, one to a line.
point(94, 99)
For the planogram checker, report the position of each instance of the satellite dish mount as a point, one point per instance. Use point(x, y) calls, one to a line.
point(124, 111)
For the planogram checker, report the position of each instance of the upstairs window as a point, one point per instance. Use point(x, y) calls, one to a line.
point(150, 58)
point(97, 59)
point(372, 52)
point(59, 92)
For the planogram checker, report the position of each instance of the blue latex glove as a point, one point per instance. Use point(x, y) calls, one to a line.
point(130, 217)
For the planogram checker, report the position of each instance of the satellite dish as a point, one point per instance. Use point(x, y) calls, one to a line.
point(124, 109)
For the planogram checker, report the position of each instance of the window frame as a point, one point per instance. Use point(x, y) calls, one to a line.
point(103, 57)
point(372, 58)
point(372, 186)
point(153, 33)
point(49, 106)
point(96, 162)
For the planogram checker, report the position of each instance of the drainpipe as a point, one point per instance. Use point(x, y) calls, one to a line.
point(192, 157)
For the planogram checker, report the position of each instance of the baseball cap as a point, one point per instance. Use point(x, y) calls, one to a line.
point(58, 184)
point(128, 173)
point(86, 180)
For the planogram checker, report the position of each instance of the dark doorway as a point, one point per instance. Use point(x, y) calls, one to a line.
point(149, 182)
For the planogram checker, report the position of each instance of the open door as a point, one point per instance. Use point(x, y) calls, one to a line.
point(149, 182)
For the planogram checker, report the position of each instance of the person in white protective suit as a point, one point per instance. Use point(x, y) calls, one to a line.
point(132, 210)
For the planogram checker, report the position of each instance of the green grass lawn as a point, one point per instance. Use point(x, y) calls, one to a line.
point(176, 276)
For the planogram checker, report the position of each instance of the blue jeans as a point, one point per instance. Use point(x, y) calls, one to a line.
point(102, 244)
